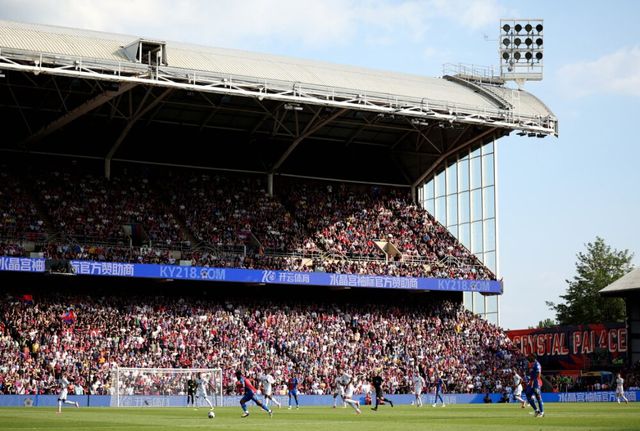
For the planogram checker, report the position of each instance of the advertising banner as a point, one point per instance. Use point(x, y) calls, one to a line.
point(579, 347)
point(256, 276)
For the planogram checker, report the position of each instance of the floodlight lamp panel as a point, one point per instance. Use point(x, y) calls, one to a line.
point(520, 49)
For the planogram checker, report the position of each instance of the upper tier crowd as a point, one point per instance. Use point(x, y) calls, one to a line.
point(229, 221)
point(85, 338)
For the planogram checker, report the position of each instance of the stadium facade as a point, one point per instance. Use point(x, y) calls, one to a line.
point(114, 98)
point(462, 195)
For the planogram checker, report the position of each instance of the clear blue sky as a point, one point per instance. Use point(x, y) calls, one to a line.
point(555, 194)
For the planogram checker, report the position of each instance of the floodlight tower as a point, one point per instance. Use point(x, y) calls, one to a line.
point(521, 50)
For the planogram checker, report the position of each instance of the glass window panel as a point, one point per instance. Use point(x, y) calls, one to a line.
point(492, 304)
point(440, 184)
point(475, 152)
point(490, 234)
point(467, 300)
point(452, 179)
point(441, 209)
point(464, 156)
point(490, 261)
point(465, 234)
point(453, 229)
point(489, 195)
point(487, 171)
point(476, 205)
point(452, 210)
point(428, 190)
point(476, 237)
point(488, 149)
point(429, 205)
point(478, 303)
point(463, 175)
point(464, 206)
point(476, 173)
point(492, 318)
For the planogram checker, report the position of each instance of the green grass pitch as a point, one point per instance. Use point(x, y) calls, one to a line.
point(596, 416)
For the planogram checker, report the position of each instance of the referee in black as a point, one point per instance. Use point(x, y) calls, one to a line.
point(191, 391)
point(377, 384)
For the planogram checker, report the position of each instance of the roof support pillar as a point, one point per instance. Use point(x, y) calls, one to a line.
point(270, 183)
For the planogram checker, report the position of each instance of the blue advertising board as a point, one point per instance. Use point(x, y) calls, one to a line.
point(306, 400)
point(256, 276)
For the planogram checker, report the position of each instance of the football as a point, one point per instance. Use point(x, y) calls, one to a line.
point(212, 415)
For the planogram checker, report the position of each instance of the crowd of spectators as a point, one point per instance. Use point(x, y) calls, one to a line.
point(93, 209)
point(19, 218)
point(227, 211)
point(85, 338)
point(231, 221)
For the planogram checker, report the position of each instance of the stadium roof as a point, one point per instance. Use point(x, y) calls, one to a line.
point(284, 99)
point(627, 284)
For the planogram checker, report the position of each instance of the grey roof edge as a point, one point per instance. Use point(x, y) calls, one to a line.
point(34, 38)
point(627, 284)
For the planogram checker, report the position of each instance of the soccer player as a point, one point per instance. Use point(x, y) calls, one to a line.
point(517, 388)
point(62, 397)
point(377, 384)
point(528, 392)
point(249, 395)
point(418, 385)
point(440, 388)
point(620, 389)
point(347, 396)
point(535, 385)
point(338, 390)
point(201, 391)
point(191, 391)
point(267, 382)
point(292, 384)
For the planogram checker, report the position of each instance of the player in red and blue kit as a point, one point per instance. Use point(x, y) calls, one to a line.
point(249, 395)
point(535, 386)
point(292, 384)
point(440, 388)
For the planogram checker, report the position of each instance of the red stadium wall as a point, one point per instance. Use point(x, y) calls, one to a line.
point(582, 347)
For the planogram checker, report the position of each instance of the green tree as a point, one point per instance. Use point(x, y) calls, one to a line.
point(598, 267)
point(547, 323)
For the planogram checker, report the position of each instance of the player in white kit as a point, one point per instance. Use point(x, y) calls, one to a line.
point(267, 382)
point(620, 389)
point(338, 390)
point(201, 391)
point(418, 386)
point(347, 383)
point(517, 389)
point(62, 396)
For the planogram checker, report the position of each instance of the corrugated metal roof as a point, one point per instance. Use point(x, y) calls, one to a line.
point(107, 46)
